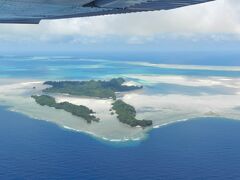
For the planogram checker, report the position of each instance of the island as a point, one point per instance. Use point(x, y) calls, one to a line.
point(80, 111)
point(96, 89)
point(92, 88)
point(127, 114)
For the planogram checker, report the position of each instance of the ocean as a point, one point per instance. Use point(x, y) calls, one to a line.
point(76, 67)
point(200, 148)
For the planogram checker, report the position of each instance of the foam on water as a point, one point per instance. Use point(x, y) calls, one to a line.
point(163, 109)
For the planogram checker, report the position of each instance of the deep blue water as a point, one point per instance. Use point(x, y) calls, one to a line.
point(198, 149)
point(206, 148)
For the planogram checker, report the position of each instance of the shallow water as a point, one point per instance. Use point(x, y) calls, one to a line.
point(203, 148)
point(171, 92)
point(198, 149)
point(75, 67)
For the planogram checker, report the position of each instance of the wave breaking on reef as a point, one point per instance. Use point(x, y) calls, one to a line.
point(160, 107)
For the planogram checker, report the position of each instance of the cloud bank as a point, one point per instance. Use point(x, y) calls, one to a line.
point(219, 20)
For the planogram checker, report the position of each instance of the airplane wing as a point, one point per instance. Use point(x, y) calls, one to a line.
point(33, 11)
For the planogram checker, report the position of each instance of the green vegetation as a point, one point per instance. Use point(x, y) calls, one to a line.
point(80, 111)
point(127, 114)
point(101, 89)
point(92, 88)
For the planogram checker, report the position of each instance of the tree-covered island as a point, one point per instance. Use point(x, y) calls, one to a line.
point(92, 88)
point(80, 111)
point(127, 114)
point(100, 89)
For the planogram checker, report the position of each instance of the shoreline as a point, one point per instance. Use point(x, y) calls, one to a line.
point(125, 140)
point(161, 108)
point(91, 134)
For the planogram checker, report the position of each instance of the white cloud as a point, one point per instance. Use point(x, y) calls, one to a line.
point(218, 17)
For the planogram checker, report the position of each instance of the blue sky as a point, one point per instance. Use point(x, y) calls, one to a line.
point(213, 26)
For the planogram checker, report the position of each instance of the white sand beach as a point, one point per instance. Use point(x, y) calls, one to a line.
point(161, 108)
